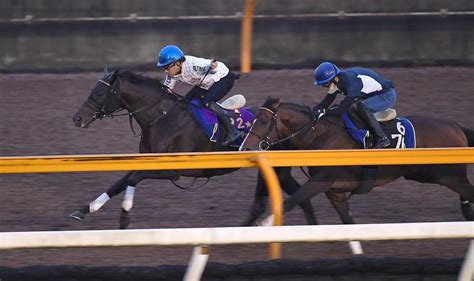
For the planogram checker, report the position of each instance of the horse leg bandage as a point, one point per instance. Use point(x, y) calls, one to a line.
point(127, 203)
point(95, 205)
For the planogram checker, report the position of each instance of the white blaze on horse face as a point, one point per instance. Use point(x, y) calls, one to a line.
point(127, 203)
point(95, 205)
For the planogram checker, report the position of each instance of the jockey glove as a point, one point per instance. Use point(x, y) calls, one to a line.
point(317, 113)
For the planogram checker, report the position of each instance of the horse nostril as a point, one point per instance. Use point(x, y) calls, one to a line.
point(76, 119)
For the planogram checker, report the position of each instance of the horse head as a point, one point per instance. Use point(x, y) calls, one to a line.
point(101, 101)
point(264, 127)
point(276, 123)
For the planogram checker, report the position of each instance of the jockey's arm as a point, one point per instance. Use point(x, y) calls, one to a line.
point(169, 82)
point(326, 102)
point(341, 108)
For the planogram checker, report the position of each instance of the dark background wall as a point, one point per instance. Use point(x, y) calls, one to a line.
point(52, 35)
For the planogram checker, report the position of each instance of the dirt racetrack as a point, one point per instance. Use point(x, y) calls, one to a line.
point(36, 120)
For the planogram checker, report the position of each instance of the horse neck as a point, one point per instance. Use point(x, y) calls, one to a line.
point(292, 120)
point(146, 104)
point(313, 136)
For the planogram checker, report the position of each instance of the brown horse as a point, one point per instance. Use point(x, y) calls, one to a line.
point(276, 121)
point(167, 125)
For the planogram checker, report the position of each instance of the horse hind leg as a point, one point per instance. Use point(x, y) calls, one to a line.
point(100, 201)
point(456, 179)
point(466, 209)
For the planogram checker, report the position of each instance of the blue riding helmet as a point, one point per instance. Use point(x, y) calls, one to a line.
point(325, 73)
point(169, 55)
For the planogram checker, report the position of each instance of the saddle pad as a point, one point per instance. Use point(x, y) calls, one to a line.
point(400, 131)
point(207, 119)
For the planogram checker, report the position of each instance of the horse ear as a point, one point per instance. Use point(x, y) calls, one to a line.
point(277, 103)
point(106, 71)
point(114, 75)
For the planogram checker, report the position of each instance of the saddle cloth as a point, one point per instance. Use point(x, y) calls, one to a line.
point(241, 119)
point(400, 131)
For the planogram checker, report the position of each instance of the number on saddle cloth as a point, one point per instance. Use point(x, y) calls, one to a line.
point(241, 118)
point(400, 131)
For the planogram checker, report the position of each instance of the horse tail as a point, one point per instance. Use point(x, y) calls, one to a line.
point(469, 135)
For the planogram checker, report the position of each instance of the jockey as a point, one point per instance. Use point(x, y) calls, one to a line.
point(211, 79)
point(356, 83)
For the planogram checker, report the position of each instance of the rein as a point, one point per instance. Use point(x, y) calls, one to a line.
point(265, 143)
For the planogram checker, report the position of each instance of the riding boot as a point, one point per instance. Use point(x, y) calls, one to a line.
point(232, 133)
point(380, 138)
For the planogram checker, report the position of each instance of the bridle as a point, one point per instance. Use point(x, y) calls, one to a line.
point(113, 89)
point(265, 143)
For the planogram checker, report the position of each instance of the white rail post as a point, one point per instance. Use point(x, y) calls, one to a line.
point(467, 269)
point(197, 264)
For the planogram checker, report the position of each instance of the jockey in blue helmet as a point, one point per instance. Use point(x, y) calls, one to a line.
point(363, 89)
point(211, 81)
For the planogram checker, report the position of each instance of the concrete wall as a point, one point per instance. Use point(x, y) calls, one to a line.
point(284, 42)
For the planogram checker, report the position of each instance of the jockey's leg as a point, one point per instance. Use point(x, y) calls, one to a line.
point(232, 133)
point(366, 109)
point(380, 138)
point(215, 93)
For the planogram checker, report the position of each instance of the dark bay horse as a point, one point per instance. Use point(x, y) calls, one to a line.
point(167, 125)
point(276, 121)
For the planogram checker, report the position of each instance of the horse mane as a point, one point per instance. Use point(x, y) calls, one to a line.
point(297, 107)
point(139, 79)
point(271, 101)
point(153, 84)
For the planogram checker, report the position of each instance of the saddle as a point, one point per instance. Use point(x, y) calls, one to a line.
point(240, 117)
point(399, 130)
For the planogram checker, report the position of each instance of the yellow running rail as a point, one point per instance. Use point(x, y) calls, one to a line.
point(215, 160)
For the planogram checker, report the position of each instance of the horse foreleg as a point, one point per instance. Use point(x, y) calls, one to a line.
point(96, 204)
point(259, 203)
point(290, 186)
point(318, 183)
point(134, 178)
point(339, 202)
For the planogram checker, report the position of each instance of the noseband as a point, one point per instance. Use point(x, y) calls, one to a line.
point(264, 143)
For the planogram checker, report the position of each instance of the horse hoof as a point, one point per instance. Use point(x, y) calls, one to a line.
point(124, 220)
point(77, 215)
point(268, 221)
point(467, 210)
